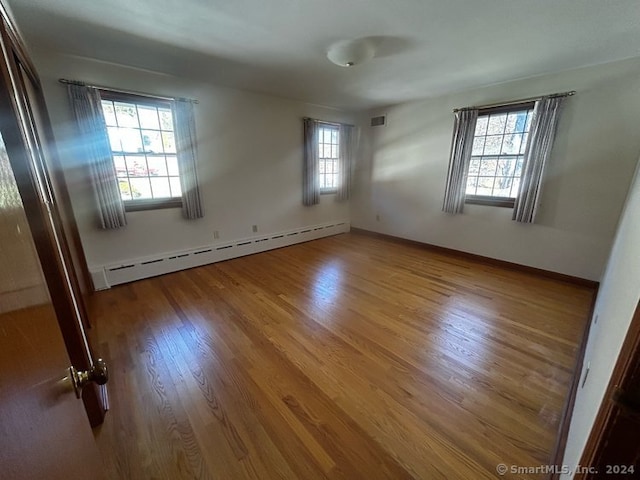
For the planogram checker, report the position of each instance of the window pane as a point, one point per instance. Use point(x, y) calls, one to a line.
point(157, 166)
point(152, 141)
point(172, 166)
point(176, 191)
point(125, 191)
point(137, 167)
point(126, 115)
point(334, 151)
point(485, 185)
point(511, 143)
point(169, 142)
point(521, 121)
point(492, 145)
point(512, 118)
point(506, 167)
point(474, 166)
point(518, 171)
point(121, 166)
point(326, 135)
point(148, 117)
point(478, 146)
point(515, 186)
point(527, 126)
point(472, 183)
point(523, 144)
point(502, 186)
point(331, 181)
point(109, 113)
point(497, 124)
point(322, 166)
point(160, 187)
point(140, 188)
point(488, 166)
point(334, 136)
point(130, 139)
point(114, 139)
point(481, 125)
point(166, 119)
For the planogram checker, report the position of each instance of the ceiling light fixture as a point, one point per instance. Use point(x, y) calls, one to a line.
point(351, 52)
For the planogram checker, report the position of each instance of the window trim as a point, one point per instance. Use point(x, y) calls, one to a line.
point(147, 203)
point(488, 200)
point(336, 127)
point(151, 204)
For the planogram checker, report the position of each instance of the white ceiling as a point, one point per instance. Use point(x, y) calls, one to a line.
point(424, 47)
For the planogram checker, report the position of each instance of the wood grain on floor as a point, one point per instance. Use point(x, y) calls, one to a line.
point(349, 357)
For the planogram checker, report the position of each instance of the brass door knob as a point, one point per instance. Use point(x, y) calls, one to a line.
point(99, 373)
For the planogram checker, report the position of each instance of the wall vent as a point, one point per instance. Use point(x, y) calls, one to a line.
point(379, 121)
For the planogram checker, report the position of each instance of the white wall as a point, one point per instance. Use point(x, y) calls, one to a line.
point(617, 300)
point(402, 177)
point(250, 163)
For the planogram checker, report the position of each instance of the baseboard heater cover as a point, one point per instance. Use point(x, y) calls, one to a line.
point(109, 275)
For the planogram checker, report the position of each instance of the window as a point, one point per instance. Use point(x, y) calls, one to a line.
point(144, 151)
point(328, 145)
point(499, 144)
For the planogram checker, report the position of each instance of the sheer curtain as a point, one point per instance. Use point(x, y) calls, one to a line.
point(311, 164)
point(461, 146)
point(96, 153)
point(186, 146)
point(345, 163)
point(541, 136)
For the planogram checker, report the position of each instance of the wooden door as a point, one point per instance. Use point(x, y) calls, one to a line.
point(28, 141)
point(613, 448)
point(44, 430)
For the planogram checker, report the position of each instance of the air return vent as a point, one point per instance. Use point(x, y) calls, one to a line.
point(378, 121)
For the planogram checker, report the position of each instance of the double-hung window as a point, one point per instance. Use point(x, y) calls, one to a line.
point(499, 144)
point(328, 148)
point(141, 133)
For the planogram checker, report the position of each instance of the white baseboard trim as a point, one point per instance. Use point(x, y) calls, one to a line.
point(106, 276)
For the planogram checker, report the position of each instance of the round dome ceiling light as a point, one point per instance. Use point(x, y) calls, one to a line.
point(349, 53)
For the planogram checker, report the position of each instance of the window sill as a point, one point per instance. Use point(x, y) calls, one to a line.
point(490, 201)
point(140, 205)
point(328, 192)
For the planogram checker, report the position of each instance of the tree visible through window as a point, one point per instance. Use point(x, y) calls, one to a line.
point(328, 147)
point(143, 149)
point(499, 145)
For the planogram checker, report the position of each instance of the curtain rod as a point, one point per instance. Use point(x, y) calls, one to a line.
point(118, 90)
point(328, 123)
point(515, 102)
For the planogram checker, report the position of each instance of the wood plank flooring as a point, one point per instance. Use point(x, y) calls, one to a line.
point(349, 357)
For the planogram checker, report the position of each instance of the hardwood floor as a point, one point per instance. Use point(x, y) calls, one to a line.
point(348, 357)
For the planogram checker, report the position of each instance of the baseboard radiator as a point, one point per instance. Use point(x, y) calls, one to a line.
point(109, 275)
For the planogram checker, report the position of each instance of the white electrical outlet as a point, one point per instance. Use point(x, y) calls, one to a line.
point(255, 228)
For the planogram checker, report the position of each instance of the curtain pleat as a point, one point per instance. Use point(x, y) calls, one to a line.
point(345, 162)
point(96, 153)
point(461, 146)
point(311, 163)
point(541, 136)
point(186, 147)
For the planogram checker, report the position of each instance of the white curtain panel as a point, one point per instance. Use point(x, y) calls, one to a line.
point(311, 163)
point(541, 136)
point(345, 164)
point(461, 146)
point(186, 146)
point(95, 150)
